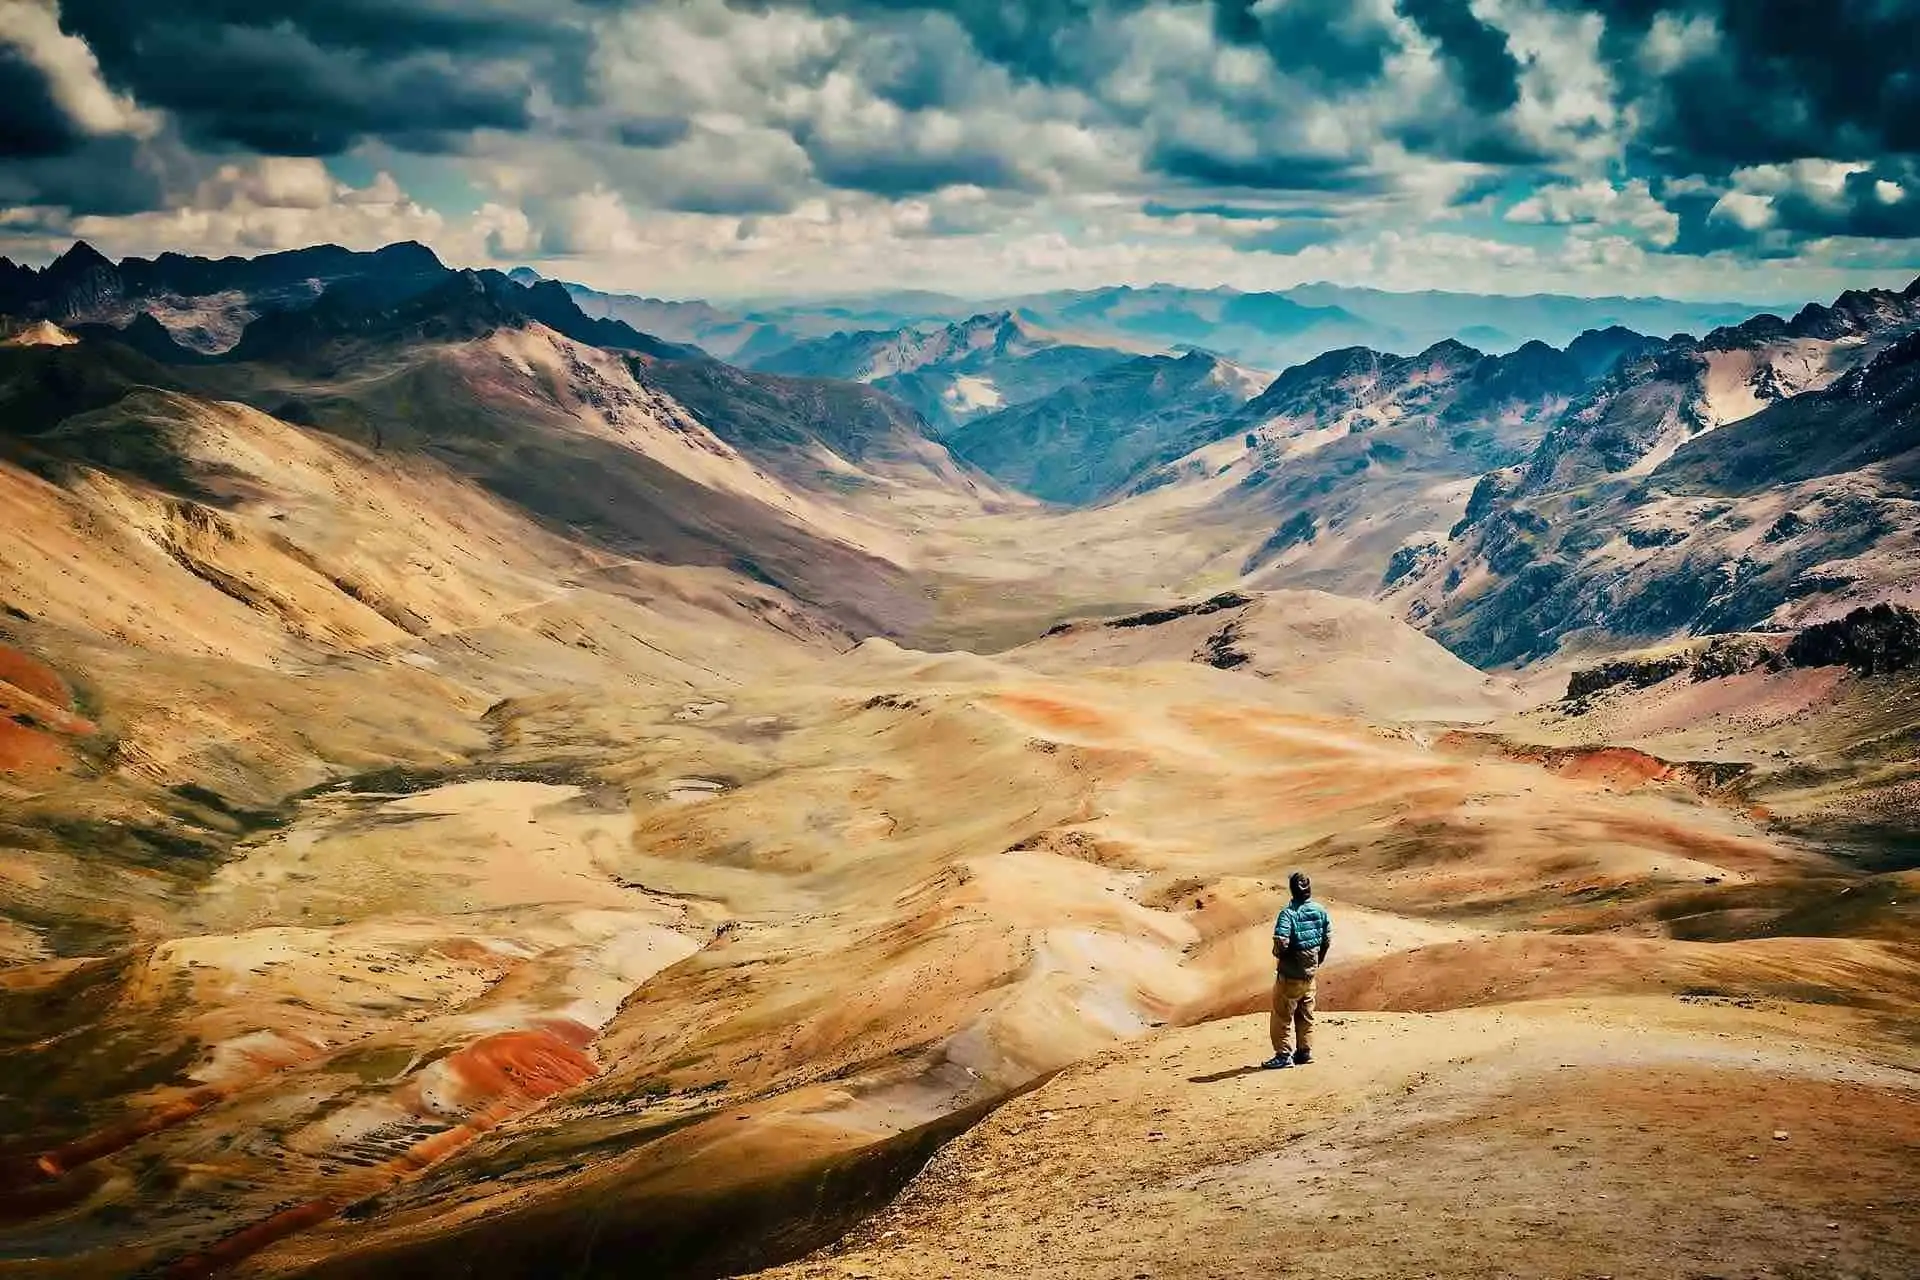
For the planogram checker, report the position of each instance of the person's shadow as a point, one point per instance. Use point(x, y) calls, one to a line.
point(1233, 1073)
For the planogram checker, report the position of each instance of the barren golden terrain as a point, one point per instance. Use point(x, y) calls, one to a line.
point(399, 877)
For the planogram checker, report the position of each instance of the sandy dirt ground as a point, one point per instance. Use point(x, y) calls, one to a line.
point(1629, 1136)
point(755, 930)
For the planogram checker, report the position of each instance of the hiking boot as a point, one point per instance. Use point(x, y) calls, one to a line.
point(1302, 1058)
point(1276, 1062)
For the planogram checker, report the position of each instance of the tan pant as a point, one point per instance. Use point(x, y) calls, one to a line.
point(1292, 1015)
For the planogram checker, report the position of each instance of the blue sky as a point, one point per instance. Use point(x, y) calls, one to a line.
point(1755, 149)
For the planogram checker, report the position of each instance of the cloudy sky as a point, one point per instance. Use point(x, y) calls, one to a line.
point(1750, 149)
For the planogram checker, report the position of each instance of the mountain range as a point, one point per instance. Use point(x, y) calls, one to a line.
point(499, 775)
point(1263, 329)
point(1430, 480)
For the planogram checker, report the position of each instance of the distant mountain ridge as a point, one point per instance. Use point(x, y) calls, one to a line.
point(1085, 441)
point(951, 373)
point(290, 302)
point(1270, 329)
point(1759, 478)
point(1510, 502)
point(1502, 322)
point(204, 302)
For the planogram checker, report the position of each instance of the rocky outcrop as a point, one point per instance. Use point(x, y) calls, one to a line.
point(1875, 640)
point(1632, 673)
point(1721, 656)
point(1411, 558)
point(1214, 604)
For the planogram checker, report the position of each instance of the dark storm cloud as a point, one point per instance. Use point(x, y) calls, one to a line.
point(1333, 42)
point(313, 77)
point(652, 132)
point(101, 176)
point(1488, 72)
point(1783, 79)
point(926, 94)
point(922, 64)
point(1034, 39)
point(1881, 202)
point(889, 171)
point(1762, 84)
point(1263, 172)
point(1771, 81)
point(119, 29)
point(1862, 206)
point(36, 125)
point(1292, 237)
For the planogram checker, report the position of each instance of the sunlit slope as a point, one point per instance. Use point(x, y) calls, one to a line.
point(926, 879)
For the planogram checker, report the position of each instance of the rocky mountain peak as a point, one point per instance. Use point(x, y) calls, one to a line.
point(1765, 327)
point(77, 260)
point(1454, 352)
point(408, 255)
point(1597, 352)
point(1855, 311)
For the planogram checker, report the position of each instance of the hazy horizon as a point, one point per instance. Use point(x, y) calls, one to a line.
point(1892, 279)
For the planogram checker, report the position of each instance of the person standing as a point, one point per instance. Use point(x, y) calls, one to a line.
point(1302, 936)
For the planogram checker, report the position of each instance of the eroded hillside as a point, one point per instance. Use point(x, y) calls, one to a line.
point(481, 795)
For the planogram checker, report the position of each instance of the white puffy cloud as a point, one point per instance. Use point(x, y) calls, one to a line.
point(1630, 205)
point(1748, 210)
point(1812, 176)
point(1568, 108)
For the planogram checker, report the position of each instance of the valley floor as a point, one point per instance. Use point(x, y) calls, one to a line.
point(700, 970)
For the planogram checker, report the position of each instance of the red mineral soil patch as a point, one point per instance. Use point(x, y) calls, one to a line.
point(248, 1241)
point(35, 706)
point(26, 750)
point(30, 675)
point(103, 1142)
point(1616, 768)
point(499, 1076)
point(54, 1180)
point(1262, 732)
point(1052, 713)
point(1619, 767)
point(257, 1062)
point(526, 1066)
point(468, 951)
